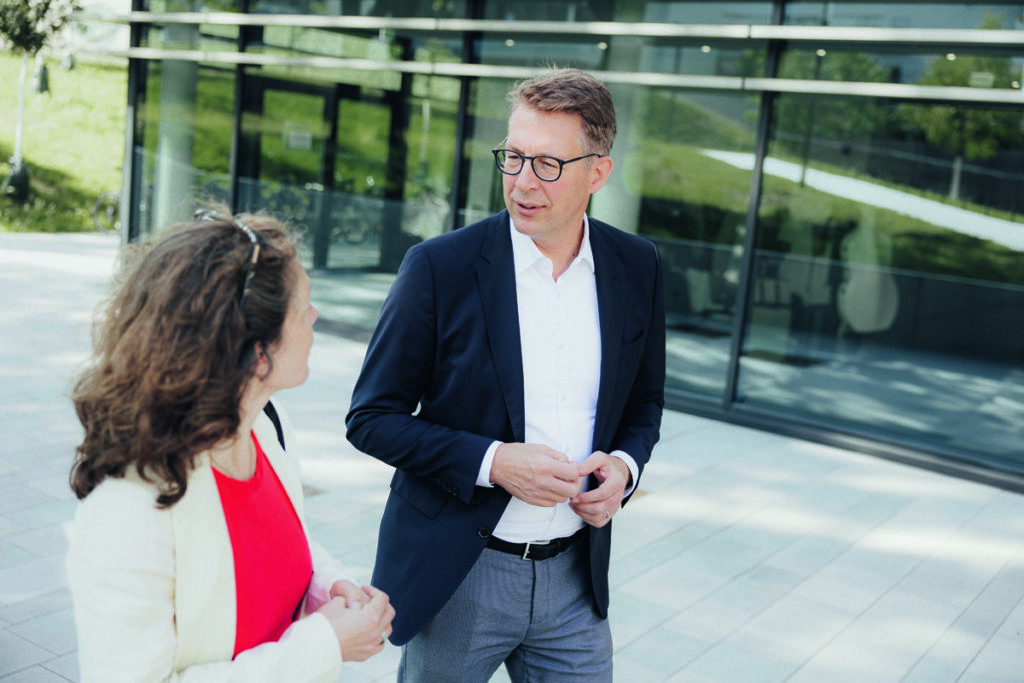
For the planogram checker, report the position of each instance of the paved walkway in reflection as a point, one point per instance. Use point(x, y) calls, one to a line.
point(1007, 233)
point(745, 557)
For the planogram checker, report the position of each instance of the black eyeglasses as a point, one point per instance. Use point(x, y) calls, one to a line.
point(254, 237)
point(548, 169)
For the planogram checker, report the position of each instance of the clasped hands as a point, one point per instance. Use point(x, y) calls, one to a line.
point(361, 619)
point(540, 475)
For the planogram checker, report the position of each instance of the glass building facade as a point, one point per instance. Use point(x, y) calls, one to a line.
point(836, 188)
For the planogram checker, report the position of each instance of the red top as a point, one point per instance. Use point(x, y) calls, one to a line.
point(273, 566)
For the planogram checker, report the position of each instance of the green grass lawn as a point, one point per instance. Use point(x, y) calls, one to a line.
point(73, 142)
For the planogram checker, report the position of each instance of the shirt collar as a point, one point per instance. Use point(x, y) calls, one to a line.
point(526, 255)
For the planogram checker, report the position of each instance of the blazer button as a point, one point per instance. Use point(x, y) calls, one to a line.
point(483, 532)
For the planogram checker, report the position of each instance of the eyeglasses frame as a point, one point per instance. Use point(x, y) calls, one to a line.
point(525, 158)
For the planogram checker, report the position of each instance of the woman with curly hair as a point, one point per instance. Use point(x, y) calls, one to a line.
point(189, 558)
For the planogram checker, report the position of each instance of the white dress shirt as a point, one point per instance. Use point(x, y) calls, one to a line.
point(560, 337)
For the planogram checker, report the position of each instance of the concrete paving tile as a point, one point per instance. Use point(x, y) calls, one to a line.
point(733, 551)
point(733, 606)
point(679, 583)
point(808, 555)
point(830, 499)
point(31, 579)
point(12, 554)
point(709, 621)
point(956, 582)
point(35, 606)
point(849, 587)
point(750, 662)
point(687, 676)
point(628, 567)
point(16, 440)
point(35, 674)
point(14, 498)
point(8, 527)
point(65, 666)
point(40, 541)
point(1013, 625)
point(379, 666)
point(796, 626)
point(947, 659)
point(634, 529)
point(56, 485)
point(632, 617)
point(997, 606)
point(54, 632)
point(675, 424)
point(662, 652)
point(44, 514)
point(17, 654)
point(885, 641)
point(625, 669)
point(775, 467)
point(999, 662)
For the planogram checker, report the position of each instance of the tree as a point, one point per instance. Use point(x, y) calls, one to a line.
point(26, 26)
point(971, 133)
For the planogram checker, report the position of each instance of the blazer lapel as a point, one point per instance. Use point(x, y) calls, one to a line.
point(610, 276)
point(496, 277)
point(204, 596)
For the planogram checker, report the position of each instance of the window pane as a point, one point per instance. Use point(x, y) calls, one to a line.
point(954, 69)
point(670, 185)
point(1006, 15)
point(693, 204)
point(183, 145)
point(369, 8)
point(889, 274)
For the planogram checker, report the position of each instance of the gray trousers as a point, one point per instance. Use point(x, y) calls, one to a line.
point(536, 617)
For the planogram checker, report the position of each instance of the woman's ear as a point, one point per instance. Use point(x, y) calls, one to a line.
point(262, 361)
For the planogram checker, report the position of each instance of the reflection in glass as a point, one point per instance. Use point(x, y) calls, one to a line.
point(183, 146)
point(887, 280)
point(693, 205)
point(888, 277)
point(369, 8)
point(957, 15)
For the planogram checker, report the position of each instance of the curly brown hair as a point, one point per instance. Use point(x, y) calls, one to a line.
point(173, 349)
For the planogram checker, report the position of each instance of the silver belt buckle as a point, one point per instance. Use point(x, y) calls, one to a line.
point(526, 550)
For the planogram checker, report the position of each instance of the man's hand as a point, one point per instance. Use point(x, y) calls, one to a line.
point(535, 474)
point(598, 506)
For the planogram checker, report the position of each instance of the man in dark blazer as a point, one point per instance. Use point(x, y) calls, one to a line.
point(515, 381)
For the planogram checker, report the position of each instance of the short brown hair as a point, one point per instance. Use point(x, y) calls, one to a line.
point(572, 91)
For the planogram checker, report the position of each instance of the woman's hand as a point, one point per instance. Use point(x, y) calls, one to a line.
point(353, 594)
point(362, 628)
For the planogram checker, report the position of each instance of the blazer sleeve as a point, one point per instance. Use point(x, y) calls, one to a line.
point(400, 370)
point(121, 572)
point(638, 428)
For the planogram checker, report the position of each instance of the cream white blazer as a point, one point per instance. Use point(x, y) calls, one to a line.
point(153, 589)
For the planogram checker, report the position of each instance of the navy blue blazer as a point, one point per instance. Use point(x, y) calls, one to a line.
point(443, 378)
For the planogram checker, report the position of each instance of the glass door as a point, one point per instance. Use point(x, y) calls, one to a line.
point(316, 156)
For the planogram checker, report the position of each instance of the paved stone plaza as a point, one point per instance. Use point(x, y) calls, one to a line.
point(745, 557)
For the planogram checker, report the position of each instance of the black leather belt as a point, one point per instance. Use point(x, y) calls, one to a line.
point(536, 550)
